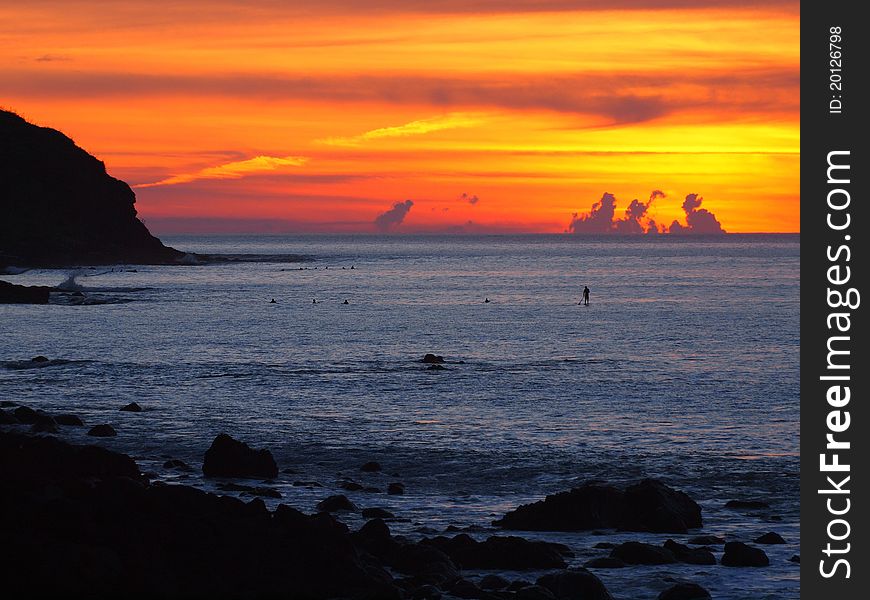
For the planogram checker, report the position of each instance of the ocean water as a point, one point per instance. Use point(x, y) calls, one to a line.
point(684, 367)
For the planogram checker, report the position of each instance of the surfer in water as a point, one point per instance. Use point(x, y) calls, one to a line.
point(585, 300)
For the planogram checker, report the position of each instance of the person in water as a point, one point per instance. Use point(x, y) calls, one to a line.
point(585, 300)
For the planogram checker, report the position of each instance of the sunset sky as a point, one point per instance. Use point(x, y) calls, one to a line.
point(487, 115)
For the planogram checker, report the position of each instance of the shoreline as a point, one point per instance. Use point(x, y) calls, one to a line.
point(451, 541)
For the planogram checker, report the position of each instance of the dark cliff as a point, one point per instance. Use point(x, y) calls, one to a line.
point(59, 207)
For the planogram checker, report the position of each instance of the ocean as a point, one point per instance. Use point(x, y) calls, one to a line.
point(684, 367)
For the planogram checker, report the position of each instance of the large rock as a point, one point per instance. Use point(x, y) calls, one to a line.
point(501, 552)
point(653, 506)
point(22, 294)
point(738, 554)
point(638, 553)
point(58, 206)
point(649, 506)
point(576, 584)
point(228, 457)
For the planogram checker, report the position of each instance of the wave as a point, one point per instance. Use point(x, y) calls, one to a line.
point(220, 259)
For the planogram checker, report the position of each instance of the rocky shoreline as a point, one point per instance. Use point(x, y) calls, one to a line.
point(83, 521)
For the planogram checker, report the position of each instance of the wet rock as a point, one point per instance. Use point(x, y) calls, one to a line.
point(738, 554)
point(692, 556)
point(795, 559)
point(11, 293)
point(433, 359)
point(769, 538)
point(44, 424)
point(518, 584)
point(638, 553)
point(426, 592)
point(350, 486)
point(377, 513)
point(707, 540)
point(685, 591)
point(589, 506)
point(248, 490)
point(427, 563)
point(747, 504)
point(605, 562)
point(436, 367)
point(578, 584)
point(653, 506)
point(336, 503)
point(39, 359)
point(309, 484)
point(7, 404)
point(370, 467)
point(69, 420)
point(466, 589)
point(102, 430)
point(228, 457)
point(493, 582)
point(605, 545)
point(396, 489)
point(374, 537)
point(179, 465)
point(7, 418)
point(534, 592)
point(25, 415)
point(132, 407)
point(498, 552)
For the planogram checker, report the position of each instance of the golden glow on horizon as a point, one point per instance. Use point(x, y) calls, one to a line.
point(326, 118)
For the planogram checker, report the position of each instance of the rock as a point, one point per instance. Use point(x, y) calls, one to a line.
point(426, 562)
point(61, 208)
point(466, 589)
point(707, 540)
point(69, 420)
point(795, 559)
point(605, 562)
point(578, 584)
point(132, 407)
point(638, 553)
point(374, 537)
point(738, 554)
point(351, 486)
point(11, 293)
point(692, 556)
point(228, 457)
point(685, 591)
point(534, 592)
point(370, 467)
point(102, 430)
point(377, 513)
point(176, 464)
point(436, 368)
point(518, 584)
point(426, 592)
point(769, 538)
point(336, 503)
point(7, 418)
point(653, 506)
point(433, 359)
point(605, 546)
point(497, 552)
point(7, 404)
point(396, 489)
point(493, 582)
point(39, 359)
point(44, 424)
point(589, 506)
point(747, 504)
point(25, 415)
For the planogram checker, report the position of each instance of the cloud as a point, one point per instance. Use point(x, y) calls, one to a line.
point(600, 218)
point(52, 58)
point(472, 200)
point(420, 127)
point(393, 217)
point(232, 170)
point(698, 220)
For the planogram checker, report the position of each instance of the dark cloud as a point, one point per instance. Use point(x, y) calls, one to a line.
point(392, 218)
point(609, 97)
point(698, 220)
point(51, 58)
point(600, 218)
point(471, 199)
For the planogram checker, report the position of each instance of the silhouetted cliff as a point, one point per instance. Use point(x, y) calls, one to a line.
point(59, 207)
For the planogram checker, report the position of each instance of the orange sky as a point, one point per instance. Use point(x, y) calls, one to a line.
point(304, 116)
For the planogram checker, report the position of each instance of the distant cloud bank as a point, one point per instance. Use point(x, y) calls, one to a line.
point(601, 219)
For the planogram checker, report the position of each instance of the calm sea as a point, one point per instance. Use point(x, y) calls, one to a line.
point(683, 367)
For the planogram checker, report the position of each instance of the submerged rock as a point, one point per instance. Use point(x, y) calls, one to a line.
point(336, 503)
point(769, 538)
point(132, 407)
point(747, 504)
point(433, 359)
point(102, 430)
point(228, 457)
point(396, 489)
point(692, 556)
point(738, 554)
point(69, 420)
point(377, 513)
point(370, 467)
point(638, 553)
point(11, 293)
point(576, 584)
